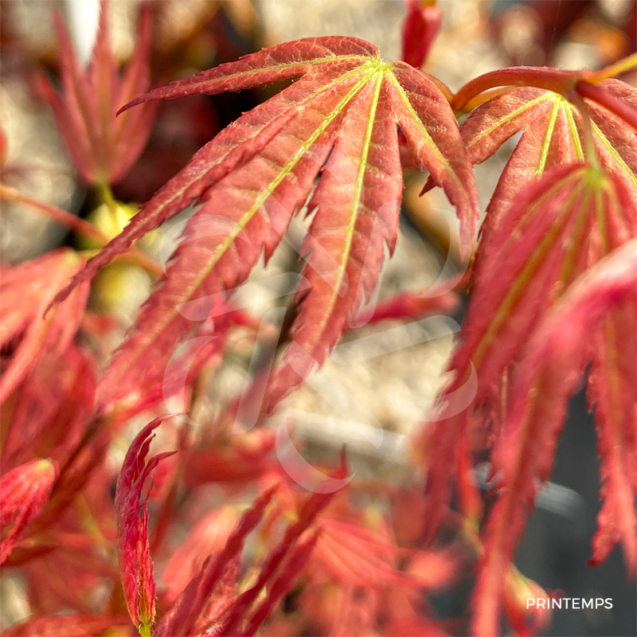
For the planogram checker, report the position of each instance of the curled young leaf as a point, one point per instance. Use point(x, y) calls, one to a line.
point(136, 566)
point(24, 491)
point(420, 28)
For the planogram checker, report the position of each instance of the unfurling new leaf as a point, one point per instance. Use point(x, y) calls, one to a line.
point(136, 566)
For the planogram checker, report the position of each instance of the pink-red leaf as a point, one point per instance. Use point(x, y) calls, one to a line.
point(51, 408)
point(359, 202)
point(430, 131)
point(547, 238)
point(25, 331)
point(229, 150)
point(276, 567)
point(102, 148)
point(354, 555)
point(258, 173)
point(551, 136)
point(207, 539)
point(185, 616)
point(277, 63)
point(548, 375)
point(245, 214)
point(282, 583)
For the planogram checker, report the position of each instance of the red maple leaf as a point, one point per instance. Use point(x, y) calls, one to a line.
point(548, 375)
point(556, 228)
point(552, 217)
point(48, 416)
point(196, 609)
point(340, 122)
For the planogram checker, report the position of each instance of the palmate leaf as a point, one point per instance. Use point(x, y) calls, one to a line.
point(548, 375)
point(258, 173)
point(102, 147)
point(556, 228)
point(551, 136)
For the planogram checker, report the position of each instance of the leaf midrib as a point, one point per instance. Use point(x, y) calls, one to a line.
point(425, 133)
point(548, 138)
point(577, 142)
point(355, 202)
point(568, 264)
point(613, 152)
point(507, 118)
point(530, 211)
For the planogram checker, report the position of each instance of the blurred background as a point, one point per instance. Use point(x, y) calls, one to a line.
point(191, 35)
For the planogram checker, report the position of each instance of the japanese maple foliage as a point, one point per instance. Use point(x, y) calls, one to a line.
point(218, 533)
point(543, 231)
point(341, 120)
point(552, 136)
point(552, 367)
